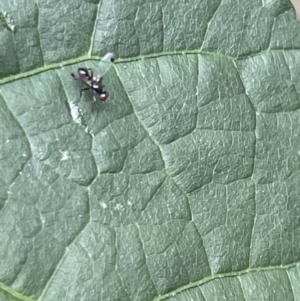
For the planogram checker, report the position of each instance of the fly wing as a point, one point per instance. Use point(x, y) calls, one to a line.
point(105, 63)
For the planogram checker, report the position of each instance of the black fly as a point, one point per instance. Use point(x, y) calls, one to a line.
point(93, 83)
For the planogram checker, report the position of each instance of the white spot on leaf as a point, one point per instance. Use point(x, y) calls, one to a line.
point(64, 155)
point(103, 205)
point(119, 207)
point(7, 21)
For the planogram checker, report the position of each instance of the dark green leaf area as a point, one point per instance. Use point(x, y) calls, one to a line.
point(128, 242)
point(147, 27)
point(246, 27)
point(15, 150)
point(250, 286)
point(224, 216)
point(269, 78)
point(42, 33)
point(44, 214)
point(185, 106)
point(278, 215)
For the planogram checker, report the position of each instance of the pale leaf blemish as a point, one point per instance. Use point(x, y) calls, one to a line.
point(7, 20)
point(119, 207)
point(87, 130)
point(76, 113)
point(64, 155)
point(103, 205)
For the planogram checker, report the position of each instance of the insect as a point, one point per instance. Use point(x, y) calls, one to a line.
point(91, 82)
point(86, 76)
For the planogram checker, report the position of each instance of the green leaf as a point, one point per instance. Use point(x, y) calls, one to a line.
point(184, 185)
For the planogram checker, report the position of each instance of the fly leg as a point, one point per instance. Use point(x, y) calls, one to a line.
point(83, 89)
point(93, 106)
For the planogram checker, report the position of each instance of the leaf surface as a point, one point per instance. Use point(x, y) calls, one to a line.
point(184, 185)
